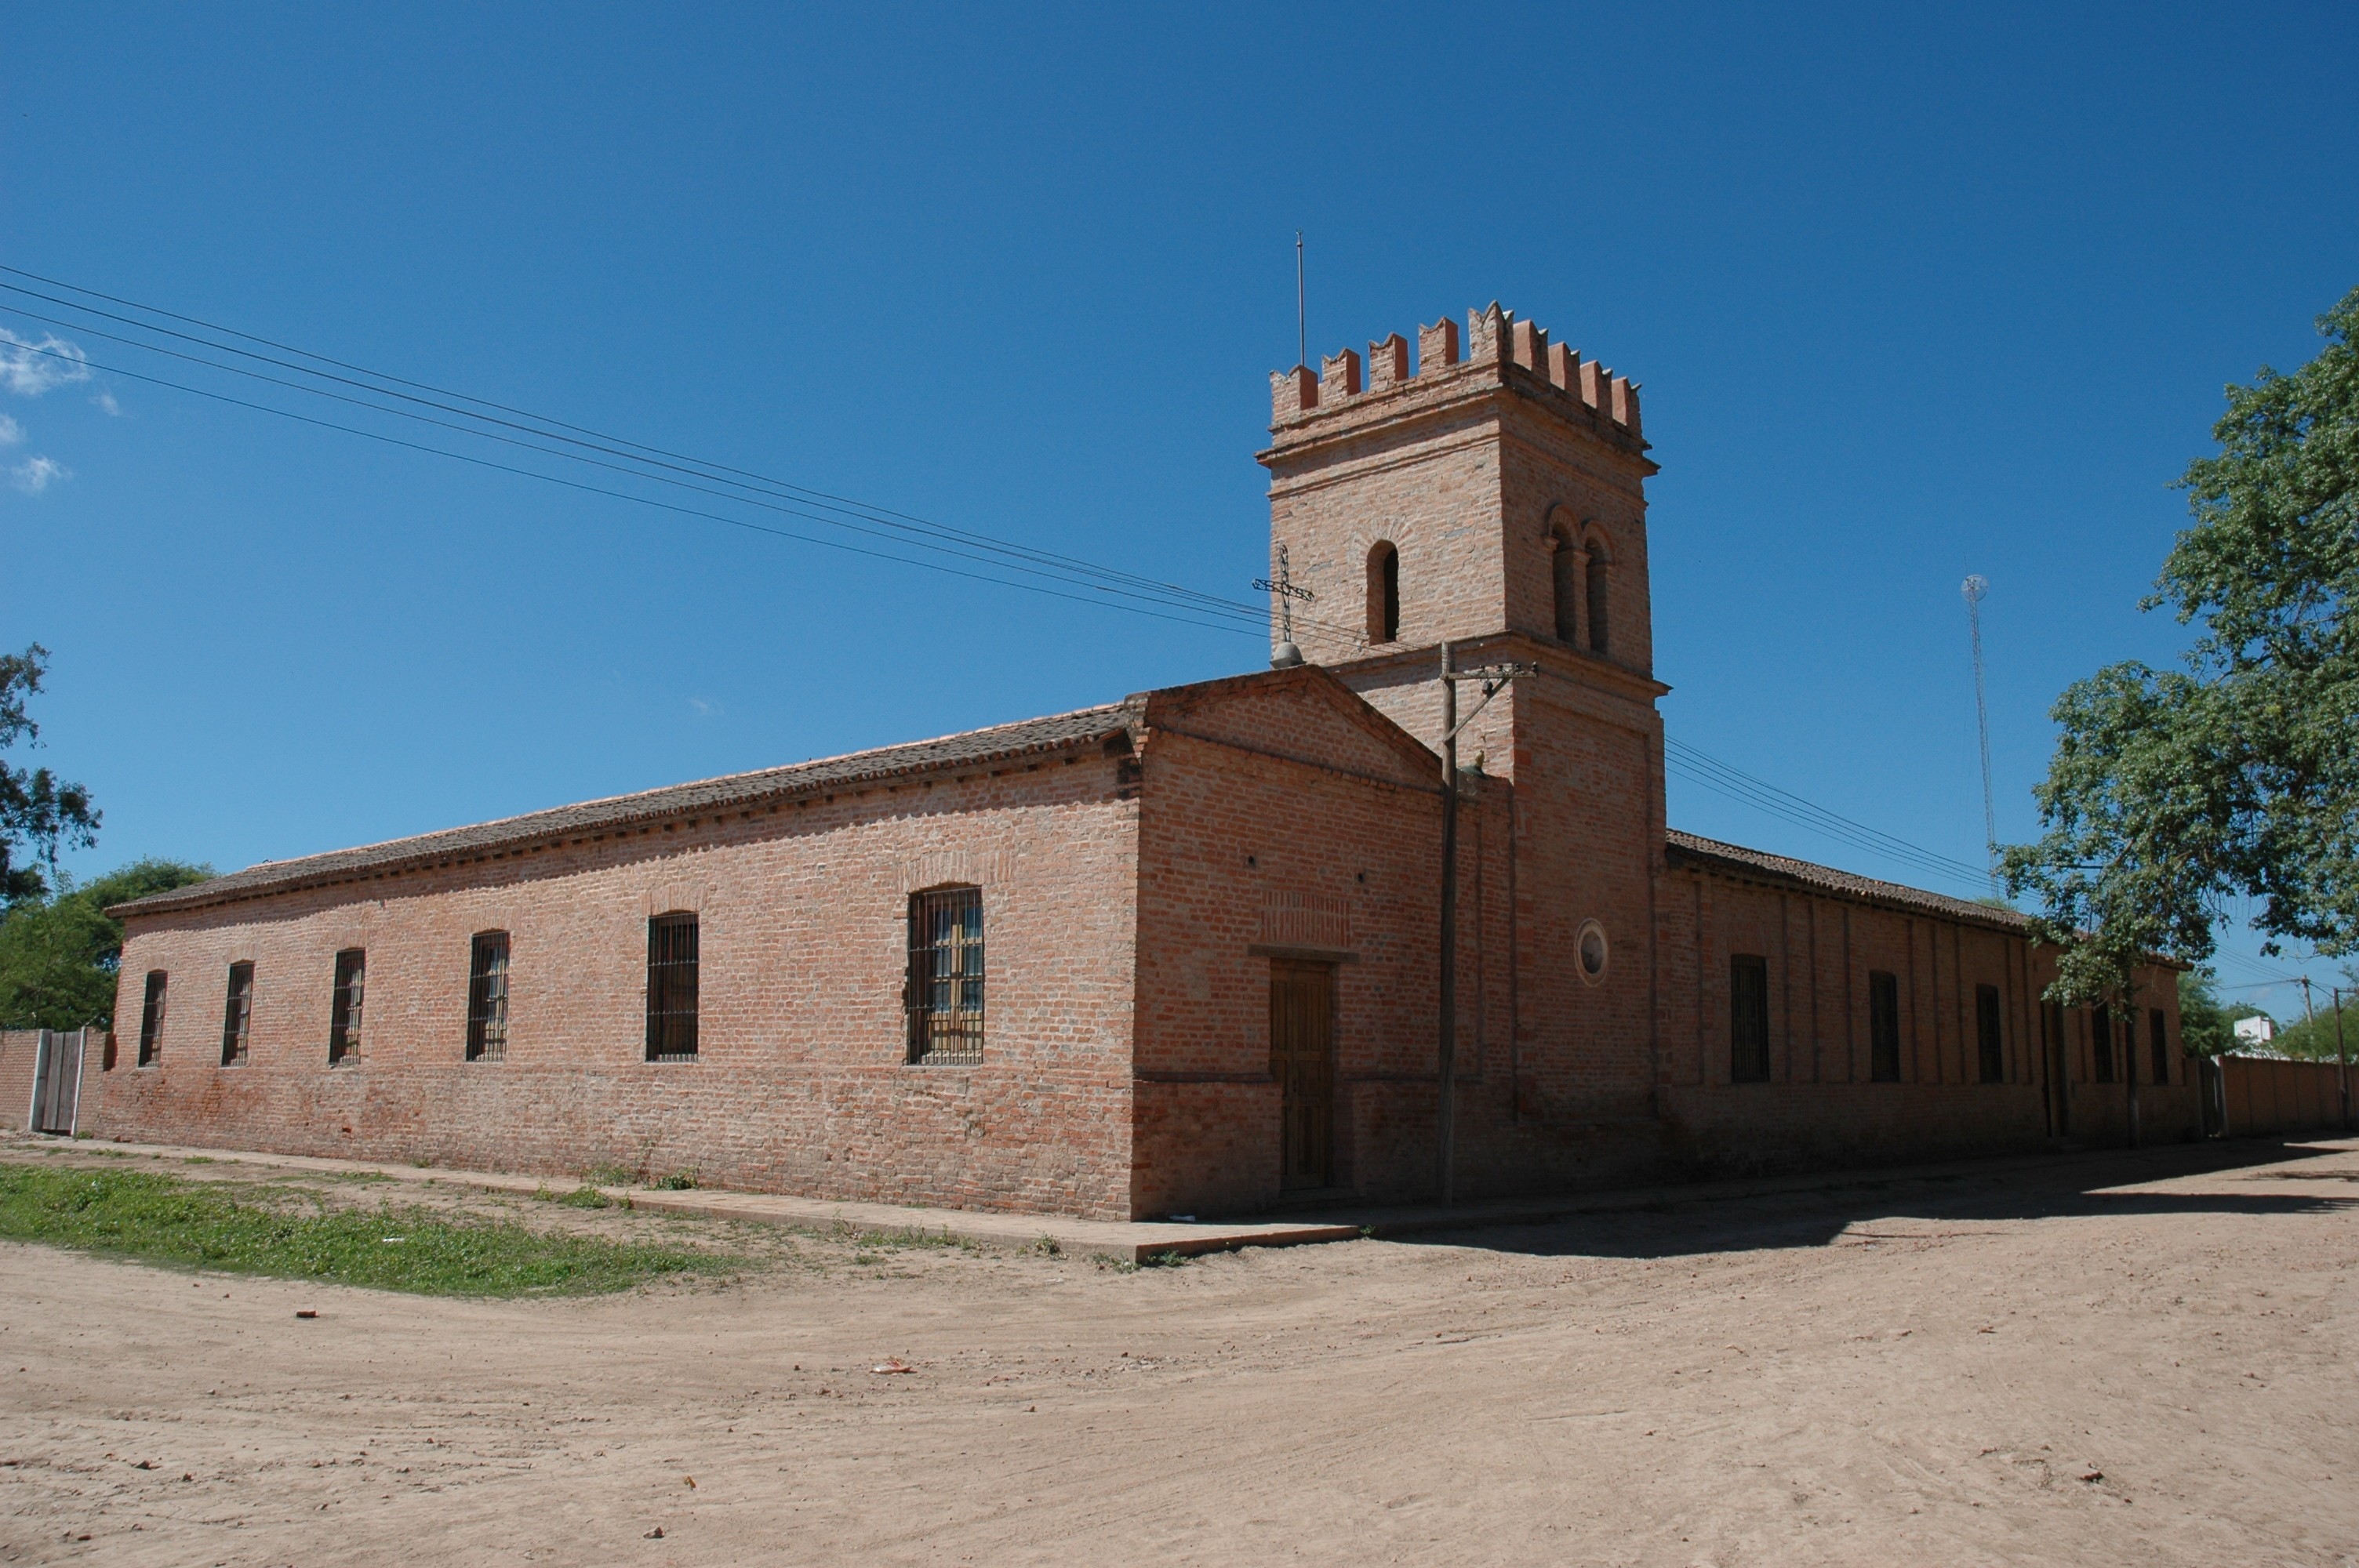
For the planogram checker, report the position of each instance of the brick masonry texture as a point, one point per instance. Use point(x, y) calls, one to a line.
point(1142, 865)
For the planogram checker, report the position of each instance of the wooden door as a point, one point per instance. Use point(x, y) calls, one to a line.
point(1302, 1059)
point(57, 1081)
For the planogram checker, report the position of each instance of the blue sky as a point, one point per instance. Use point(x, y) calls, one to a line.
point(1911, 297)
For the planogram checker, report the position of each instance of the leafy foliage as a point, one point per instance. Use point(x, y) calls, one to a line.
point(2171, 791)
point(2207, 1026)
point(158, 1219)
point(38, 812)
point(59, 956)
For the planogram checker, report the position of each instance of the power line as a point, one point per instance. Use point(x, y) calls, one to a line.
point(636, 500)
point(1700, 768)
point(1202, 603)
point(639, 461)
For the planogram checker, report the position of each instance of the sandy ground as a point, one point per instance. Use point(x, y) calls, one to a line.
point(2139, 1360)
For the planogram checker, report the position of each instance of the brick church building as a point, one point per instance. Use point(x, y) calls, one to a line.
point(1179, 953)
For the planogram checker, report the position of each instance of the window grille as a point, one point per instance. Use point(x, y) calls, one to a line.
point(344, 1007)
point(1749, 1018)
point(2154, 1024)
point(487, 997)
point(151, 1020)
point(2101, 1045)
point(671, 988)
point(237, 1014)
point(1988, 1035)
point(945, 985)
point(1883, 1027)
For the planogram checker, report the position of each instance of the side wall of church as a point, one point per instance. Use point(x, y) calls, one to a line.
point(1821, 1104)
point(800, 1083)
point(1272, 830)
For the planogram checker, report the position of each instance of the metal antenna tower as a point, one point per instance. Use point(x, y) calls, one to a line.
point(1973, 588)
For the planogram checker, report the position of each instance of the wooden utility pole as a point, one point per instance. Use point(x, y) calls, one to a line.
point(2127, 1029)
point(1494, 678)
point(2341, 1060)
point(1445, 1115)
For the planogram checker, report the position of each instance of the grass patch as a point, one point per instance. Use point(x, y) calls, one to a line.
point(678, 1182)
point(609, 1176)
point(159, 1219)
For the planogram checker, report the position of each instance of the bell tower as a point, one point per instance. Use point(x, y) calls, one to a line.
point(1491, 494)
point(1492, 491)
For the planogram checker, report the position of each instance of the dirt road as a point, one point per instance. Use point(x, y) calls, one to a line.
point(2141, 1359)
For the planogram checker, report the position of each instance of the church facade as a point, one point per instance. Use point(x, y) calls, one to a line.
point(1179, 953)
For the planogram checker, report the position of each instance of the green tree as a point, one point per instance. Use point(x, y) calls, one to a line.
point(2238, 774)
point(2204, 1027)
point(59, 956)
point(37, 811)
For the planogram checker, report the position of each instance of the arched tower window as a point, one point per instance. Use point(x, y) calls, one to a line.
point(1600, 573)
point(1564, 569)
point(1384, 593)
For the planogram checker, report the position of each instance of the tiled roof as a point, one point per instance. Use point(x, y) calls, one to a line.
point(1059, 732)
point(1710, 854)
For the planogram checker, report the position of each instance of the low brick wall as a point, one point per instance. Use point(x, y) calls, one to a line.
point(19, 1048)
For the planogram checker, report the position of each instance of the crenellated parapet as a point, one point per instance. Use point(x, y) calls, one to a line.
point(1494, 337)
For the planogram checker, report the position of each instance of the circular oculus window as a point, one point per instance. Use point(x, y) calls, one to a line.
point(1591, 948)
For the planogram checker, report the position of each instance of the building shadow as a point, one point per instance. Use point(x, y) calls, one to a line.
point(2070, 1187)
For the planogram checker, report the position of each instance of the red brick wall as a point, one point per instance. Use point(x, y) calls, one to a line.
point(19, 1048)
point(1819, 1104)
point(800, 1084)
point(1272, 818)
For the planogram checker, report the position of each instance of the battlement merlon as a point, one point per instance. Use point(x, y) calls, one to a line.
point(1495, 338)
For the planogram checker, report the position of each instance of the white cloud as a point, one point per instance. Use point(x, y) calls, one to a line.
point(705, 710)
point(104, 403)
point(34, 475)
point(30, 368)
point(10, 431)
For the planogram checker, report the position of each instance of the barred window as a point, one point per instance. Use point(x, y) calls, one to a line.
point(1883, 1027)
point(1749, 1018)
point(1989, 1037)
point(151, 1020)
point(344, 1007)
point(2101, 1045)
point(2153, 1024)
point(945, 985)
point(671, 988)
point(237, 1014)
point(487, 997)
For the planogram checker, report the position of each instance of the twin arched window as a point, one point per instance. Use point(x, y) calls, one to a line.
point(1582, 577)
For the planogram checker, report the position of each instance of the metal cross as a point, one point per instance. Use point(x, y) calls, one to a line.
point(1286, 593)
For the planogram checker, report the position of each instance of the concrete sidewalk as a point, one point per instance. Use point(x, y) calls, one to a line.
point(1137, 1242)
point(1124, 1241)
